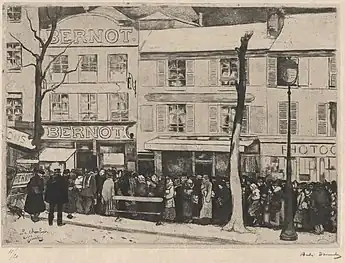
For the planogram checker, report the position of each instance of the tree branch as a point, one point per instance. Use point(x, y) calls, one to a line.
point(54, 87)
point(28, 65)
point(53, 60)
point(24, 47)
point(32, 29)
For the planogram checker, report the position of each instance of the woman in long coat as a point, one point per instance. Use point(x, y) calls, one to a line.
point(169, 208)
point(34, 203)
point(223, 203)
point(108, 191)
point(206, 209)
point(71, 206)
point(187, 202)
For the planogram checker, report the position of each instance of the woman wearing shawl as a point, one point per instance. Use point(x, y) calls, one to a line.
point(254, 203)
point(206, 209)
point(108, 192)
point(169, 209)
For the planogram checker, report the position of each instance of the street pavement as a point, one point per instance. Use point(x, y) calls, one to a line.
point(95, 229)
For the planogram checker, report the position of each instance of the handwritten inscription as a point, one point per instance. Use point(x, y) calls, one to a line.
point(334, 255)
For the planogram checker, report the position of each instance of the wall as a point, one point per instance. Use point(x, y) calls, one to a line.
point(21, 80)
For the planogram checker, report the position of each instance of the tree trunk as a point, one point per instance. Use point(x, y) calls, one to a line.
point(236, 223)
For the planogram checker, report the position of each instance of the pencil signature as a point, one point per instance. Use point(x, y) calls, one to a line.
point(13, 253)
point(334, 255)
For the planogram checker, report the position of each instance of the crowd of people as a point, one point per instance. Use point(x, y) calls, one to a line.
point(198, 199)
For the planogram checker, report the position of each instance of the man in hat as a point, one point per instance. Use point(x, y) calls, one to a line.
point(56, 195)
point(88, 192)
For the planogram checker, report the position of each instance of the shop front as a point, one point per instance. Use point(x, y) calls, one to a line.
point(201, 156)
point(312, 160)
point(92, 146)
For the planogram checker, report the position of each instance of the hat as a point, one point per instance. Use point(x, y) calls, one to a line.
point(57, 170)
point(66, 171)
point(141, 178)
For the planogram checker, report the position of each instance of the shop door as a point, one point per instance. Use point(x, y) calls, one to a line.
point(203, 163)
point(86, 160)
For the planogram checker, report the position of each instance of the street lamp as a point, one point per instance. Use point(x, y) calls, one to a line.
point(289, 76)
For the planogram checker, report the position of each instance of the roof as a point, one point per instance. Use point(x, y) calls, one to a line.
point(204, 38)
point(161, 16)
point(111, 12)
point(307, 32)
point(56, 154)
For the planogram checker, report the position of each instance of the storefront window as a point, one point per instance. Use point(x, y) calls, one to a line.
point(203, 163)
point(14, 56)
point(14, 107)
point(328, 169)
point(175, 164)
point(119, 106)
point(88, 107)
point(222, 164)
point(307, 169)
point(250, 164)
point(177, 73)
point(59, 106)
point(177, 118)
point(117, 67)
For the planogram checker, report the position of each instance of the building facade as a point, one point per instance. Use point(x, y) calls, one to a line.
point(18, 79)
point(187, 97)
point(92, 115)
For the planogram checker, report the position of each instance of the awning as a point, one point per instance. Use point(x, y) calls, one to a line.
point(56, 154)
point(194, 145)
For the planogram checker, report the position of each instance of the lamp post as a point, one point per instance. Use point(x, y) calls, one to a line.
point(288, 233)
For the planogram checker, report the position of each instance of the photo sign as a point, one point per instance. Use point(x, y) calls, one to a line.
point(85, 132)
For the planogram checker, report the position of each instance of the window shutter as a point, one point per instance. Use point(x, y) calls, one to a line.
point(257, 119)
point(190, 118)
point(294, 123)
point(161, 73)
point(161, 118)
point(190, 72)
point(303, 72)
point(146, 118)
point(244, 126)
point(322, 119)
point(272, 72)
point(213, 118)
point(213, 72)
point(283, 115)
point(332, 72)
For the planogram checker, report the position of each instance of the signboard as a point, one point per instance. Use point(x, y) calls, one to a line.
point(86, 132)
point(299, 150)
point(21, 179)
point(114, 159)
point(19, 138)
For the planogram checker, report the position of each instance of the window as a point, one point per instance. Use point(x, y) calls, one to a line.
point(89, 68)
point(14, 14)
point(60, 65)
point(228, 71)
point(14, 107)
point(307, 169)
point(326, 119)
point(117, 68)
point(328, 169)
point(14, 56)
point(119, 106)
point(59, 106)
point(88, 107)
point(283, 117)
point(228, 117)
point(177, 118)
point(281, 70)
point(177, 73)
point(332, 71)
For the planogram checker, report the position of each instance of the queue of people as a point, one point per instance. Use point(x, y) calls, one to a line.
point(198, 199)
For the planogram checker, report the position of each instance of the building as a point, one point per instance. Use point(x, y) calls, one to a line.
point(91, 118)
point(18, 79)
point(187, 97)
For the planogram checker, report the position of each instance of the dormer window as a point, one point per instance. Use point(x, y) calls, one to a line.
point(14, 14)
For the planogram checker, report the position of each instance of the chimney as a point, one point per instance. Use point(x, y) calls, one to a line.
point(86, 8)
point(275, 22)
point(200, 19)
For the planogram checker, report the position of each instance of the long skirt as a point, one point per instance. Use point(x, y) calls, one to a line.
point(34, 204)
point(71, 206)
point(169, 213)
point(254, 208)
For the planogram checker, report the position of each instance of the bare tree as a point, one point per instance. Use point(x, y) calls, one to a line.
point(53, 14)
point(236, 222)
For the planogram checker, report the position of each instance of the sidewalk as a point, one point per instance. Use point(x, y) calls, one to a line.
point(195, 232)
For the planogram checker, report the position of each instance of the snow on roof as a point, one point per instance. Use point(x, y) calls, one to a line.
point(111, 12)
point(156, 16)
point(307, 32)
point(204, 38)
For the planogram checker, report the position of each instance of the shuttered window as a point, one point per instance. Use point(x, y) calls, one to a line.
point(283, 117)
point(227, 117)
point(161, 73)
point(272, 72)
point(190, 72)
point(161, 118)
point(322, 119)
point(213, 72)
point(332, 68)
point(190, 118)
point(213, 118)
point(244, 127)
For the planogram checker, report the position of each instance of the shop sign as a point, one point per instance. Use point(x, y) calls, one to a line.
point(94, 36)
point(19, 138)
point(22, 179)
point(85, 132)
point(299, 150)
